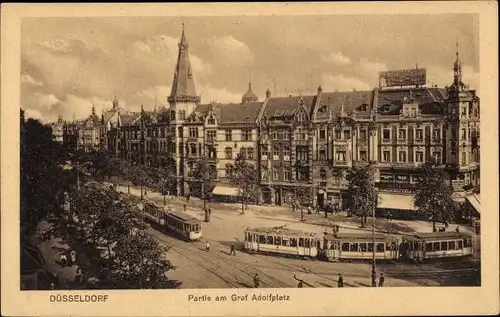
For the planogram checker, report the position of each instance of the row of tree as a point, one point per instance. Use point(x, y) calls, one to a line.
point(111, 225)
point(433, 196)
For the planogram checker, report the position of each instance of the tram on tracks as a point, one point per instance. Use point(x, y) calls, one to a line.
point(183, 224)
point(357, 246)
point(434, 245)
point(281, 240)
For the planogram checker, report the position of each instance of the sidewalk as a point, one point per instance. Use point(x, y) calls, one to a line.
point(284, 213)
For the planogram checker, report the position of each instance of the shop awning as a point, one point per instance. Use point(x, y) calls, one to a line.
point(475, 201)
point(225, 191)
point(396, 201)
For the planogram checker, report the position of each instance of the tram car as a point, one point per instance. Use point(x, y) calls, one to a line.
point(433, 245)
point(283, 241)
point(183, 224)
point(359, 246)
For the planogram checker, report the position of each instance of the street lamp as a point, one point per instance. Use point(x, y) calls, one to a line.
point(374, 273)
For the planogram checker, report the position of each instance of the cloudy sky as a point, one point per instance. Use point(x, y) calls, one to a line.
point(68, 64)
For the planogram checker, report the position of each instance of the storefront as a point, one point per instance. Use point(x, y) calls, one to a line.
point(226, 194)
point(399, 206)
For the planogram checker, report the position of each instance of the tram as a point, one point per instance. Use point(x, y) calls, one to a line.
point(181, 223)
point(359, 246)
point(281, 240)
point(432, 245)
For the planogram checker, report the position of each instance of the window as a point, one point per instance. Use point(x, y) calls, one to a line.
point(353, 247)
point(275, 173)
point(250, 152)
point(402, 134)
point(437, 157)
point(419, 156)
point(182, 115)
point(436, 134)
point(337, 134)
point(211, 135)
point(172, 115)
point(345, 246)
point(362, 247)
point(229, 153)
point(464, 134)
point(228, 169)
point(301, 117)
point(243, 153)
point(286, 153)
point(340, 156)
point(463, 111)
point(386, 156)
point(322, 134)
point(192, 148)
point(402, 157)
point(288, 174)
point(293, 242)
point(419, 134)
point(463, 158)
point(451, 245)
point(363, 135)
point(193, 132)
point(362, 155)
point(302, 153)
point(347, 134)
point(264, 152)
point(229, 135)
point(322, 154)
point(301, 242)
point(211, 120)
point(263, 173)
point(380, 247)
point(386, 134)
point(246, 135)
point(276, 152)
point(274, 135)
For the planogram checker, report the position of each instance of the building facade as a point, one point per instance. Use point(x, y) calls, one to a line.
point(307, 141)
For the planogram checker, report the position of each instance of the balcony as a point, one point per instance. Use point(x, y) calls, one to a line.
point(342, 163)
point(211, 141)
point(301, 142)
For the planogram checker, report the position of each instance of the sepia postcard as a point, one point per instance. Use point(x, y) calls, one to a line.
point(250, 159)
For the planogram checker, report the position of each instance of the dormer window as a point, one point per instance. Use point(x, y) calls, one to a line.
point(301, 117)
point(211, 120)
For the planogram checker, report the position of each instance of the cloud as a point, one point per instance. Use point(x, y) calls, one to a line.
point(230, 51)
point(34, 114)
point(437, 75)
point(27, 79)
point(336, 58)
point(343, 83)
point(55, 45)
point(209, 94)
point(371, 67)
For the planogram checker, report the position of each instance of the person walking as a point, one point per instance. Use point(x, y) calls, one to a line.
point(207, 246)
point(381, 280)
point(256, 281)
point(185, 207)
point(233, 251)
point(300, 285)
point(457, 229)
point(340, 282)
point(73, 256)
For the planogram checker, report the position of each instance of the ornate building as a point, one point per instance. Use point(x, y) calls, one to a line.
point(309, 141)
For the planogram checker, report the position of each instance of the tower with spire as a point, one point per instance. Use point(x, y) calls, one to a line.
point(249, 96)
point(183, 99)
point(462, 126)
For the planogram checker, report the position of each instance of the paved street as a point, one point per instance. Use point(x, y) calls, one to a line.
point(198, 268)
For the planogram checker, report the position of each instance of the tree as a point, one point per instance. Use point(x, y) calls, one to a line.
point(300, 197)
point(110, 220)
point(203, 183)
point(245, 177)
point(433, 196)
point(362, 192)
point(165, 179)
point(42, 177)
point(139, 175)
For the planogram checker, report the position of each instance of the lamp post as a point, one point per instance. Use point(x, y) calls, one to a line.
point(374, 272)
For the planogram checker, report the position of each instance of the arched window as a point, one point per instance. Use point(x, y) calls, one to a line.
point(322, 173)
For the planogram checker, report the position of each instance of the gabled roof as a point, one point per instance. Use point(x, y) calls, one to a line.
point(233, 112)
point(131, 118)
point(349, 100)
point(286, 106)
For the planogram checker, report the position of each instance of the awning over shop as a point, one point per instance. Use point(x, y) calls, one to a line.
point(475, 201)
point(396, 201)
point(225, 191)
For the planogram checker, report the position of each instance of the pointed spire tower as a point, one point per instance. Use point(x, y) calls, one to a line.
point(457, 69)
point(183, 88)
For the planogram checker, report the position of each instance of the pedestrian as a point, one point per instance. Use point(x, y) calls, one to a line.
point(340, 282)
point(446, 224)
point(317, 209)
point(73, 256)
point(187, 197)
point(326, 232)
point(207, 246)
point(233, 250)
point(209, 210)
point(300, 285)
point(145, 193)
point(337, 228)
point(381, 280)
point(185, 207)
point(457, 229)
point(256, 281)
point(63, 259)
point(309, 210)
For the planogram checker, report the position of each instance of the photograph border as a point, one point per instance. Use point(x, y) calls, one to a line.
point(326, 301)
